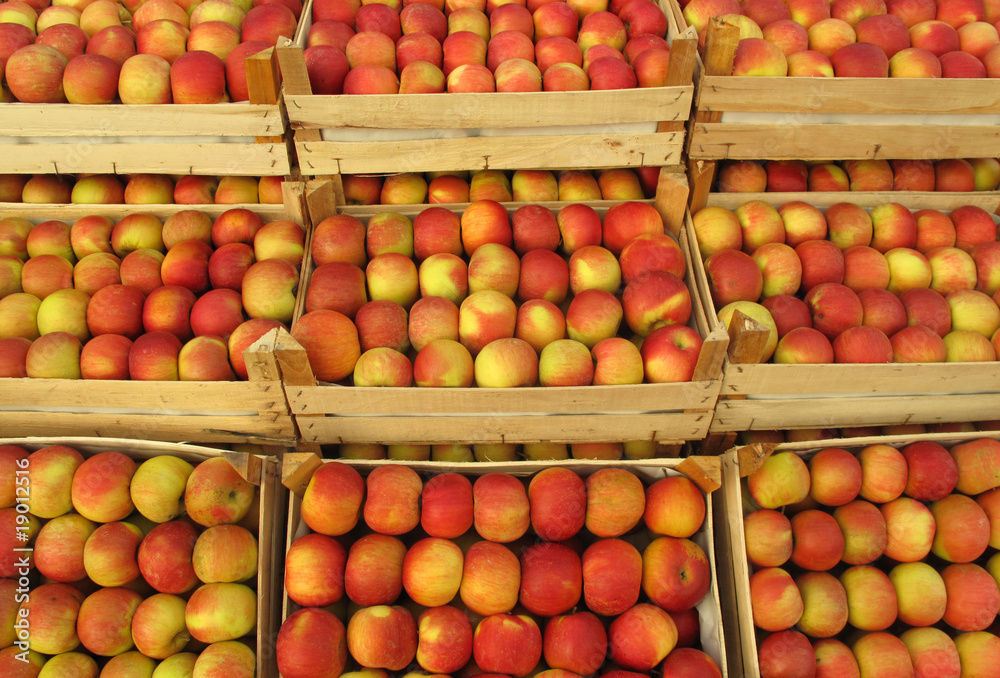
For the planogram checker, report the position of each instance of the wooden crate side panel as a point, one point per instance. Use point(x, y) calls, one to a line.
point(393, 401)
point(792, 141)
point(507, 109)
point(180, 120)
point(890, 379)
point(271, 557)
point(253, 159)
point(476, 153)
point(669, 427)
point(190, 397)
point(734, 575)
point(264, 429)
point(881, 96)
point(789, 413)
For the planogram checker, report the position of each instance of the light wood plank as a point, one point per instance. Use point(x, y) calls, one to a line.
point(273, 429)
point(388, 401)
point(474, 153)
point(674, 427)
point(168, 397)
point(882, 96)
point(890, 379)
point(119, 120)
point(790, 413)
point(506, 109)
point(787, 140)
point(178, 157)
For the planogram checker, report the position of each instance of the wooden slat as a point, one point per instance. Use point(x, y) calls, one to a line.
point(788, 140)
point(272, 429)
point(349, 400)
point(844, 411)
point(270, 580)
point(841, 379)
point(505, 109)
point(168, 397)
point(475, 153)
point(882, 96)
point(173, 120)
point(179, 157)
point(673, 427)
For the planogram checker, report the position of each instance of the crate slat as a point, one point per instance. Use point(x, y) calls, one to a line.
point(271, 429)
point(253, 159)
point(120, 120)
point(507, 109)
point(500, 152)
point(665, 428)
point(787, 140)
point(878, 96)
point(841, 411)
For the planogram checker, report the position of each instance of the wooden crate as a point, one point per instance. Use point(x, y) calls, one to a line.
point(425, 132)
point(237, 411)
point(298, 468)
point(265, 518)
point(730, 539)
point(244, 138)
point(765, 396)
point(669, 413)
point(836, 118)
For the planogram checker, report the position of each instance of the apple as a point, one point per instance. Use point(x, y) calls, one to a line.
point(972, 597)
point(158, 626)
point(109, 555)
point(576, 642)
point(496, 633)
point(975, 461)
point(551, 578)
point(781, 480)
point(612, 576)
point(216, 494)
point(818, 540)
point(822, 262)
point(968, 542)
point(165, 557)
point(491, 579)
point(59, 547)
point(733, 275)
point(615, 502)
point(675, 573)
point(391, 503)
point(373, 573)
point(221, 611)
point(432, 571)
point(768, 538)
point(444, 639)
point(641, 637)
point(311, 643)
point(777, 602)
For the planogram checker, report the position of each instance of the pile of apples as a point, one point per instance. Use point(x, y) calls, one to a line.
point(136, 51)
point(957, 175)
point(140, 189)
point(505, 574)
point(127, 567)
point(877, 561)
point(433, 46)
point(499, 298)
point(461, 453)
point(414, 188)
point(140, 298)
point(858, 38)
point(852, 286)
